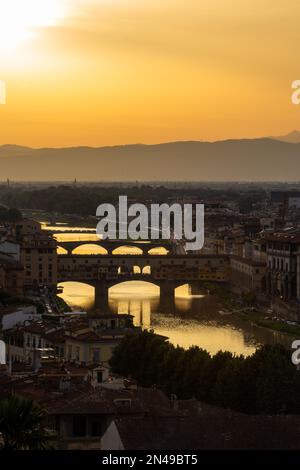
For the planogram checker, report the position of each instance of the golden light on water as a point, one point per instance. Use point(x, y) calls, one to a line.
point(72, 237)
point(78, 295)
point(158, 251)
point(127, 250)
point(141, 300)
point(196, 320)
point(61, 251)
point(213, 338)
point(90, 249)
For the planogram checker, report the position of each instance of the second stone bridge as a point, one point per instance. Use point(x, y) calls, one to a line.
point(168, 272)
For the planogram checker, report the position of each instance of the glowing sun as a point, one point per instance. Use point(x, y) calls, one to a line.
point(22, 19)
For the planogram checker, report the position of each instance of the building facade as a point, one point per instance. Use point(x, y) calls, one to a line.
point(283, 265)
point(247, 275)
point(38, 254)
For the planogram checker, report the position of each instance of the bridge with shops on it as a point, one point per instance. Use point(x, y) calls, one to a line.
point(167, 272)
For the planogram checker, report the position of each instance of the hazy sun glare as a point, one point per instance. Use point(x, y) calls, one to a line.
point(21, 19)
point(107, 72)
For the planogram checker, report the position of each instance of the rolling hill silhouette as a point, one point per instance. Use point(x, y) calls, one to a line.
point(265, 159)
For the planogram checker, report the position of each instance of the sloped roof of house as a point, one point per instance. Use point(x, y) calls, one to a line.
point(227, 430)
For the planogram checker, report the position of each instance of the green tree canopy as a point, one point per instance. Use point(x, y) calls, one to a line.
point(264, 383)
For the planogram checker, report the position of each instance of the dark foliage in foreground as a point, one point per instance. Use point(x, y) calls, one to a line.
point(264, 383)
point(24, 425)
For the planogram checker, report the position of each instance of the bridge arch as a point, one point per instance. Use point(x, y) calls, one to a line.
point(183, 290)
point(190, 289)
point(138, 284)
point(159, 250)
point(61, 250)
point(78, 295)
point(127, 250)
point(89, 249)
point(138, 299)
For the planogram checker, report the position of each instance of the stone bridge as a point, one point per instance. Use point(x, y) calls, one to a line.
point(168, 272)
point(111, 245)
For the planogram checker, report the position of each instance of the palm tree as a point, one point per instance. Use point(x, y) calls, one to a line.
point(24, 424)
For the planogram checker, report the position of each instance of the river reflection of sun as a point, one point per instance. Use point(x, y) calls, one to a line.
point(78, 295)
point(213, 338)
point(142, 301)
point(82, 294)
point(140, 309)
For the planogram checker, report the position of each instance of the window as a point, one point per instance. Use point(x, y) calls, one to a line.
point(99, 376)
point(79, 426)
point(77, 353)
point(96, 428)
point(96, 355)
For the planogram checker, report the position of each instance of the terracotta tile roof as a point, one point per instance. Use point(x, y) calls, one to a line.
point(224, 429)
point(104, 335)
point(57, 336)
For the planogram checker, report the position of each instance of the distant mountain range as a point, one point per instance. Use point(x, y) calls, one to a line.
point(265, 159)
point(293, 137)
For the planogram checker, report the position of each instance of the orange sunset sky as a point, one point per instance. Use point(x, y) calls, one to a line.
point(105, 72)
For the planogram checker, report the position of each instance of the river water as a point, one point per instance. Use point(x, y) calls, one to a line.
point(196, 320)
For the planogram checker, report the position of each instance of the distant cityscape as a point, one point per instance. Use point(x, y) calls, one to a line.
point(149, 233)
point(63, 358)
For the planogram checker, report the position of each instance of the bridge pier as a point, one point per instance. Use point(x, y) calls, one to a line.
point(167, 296)
point(196, 289)
point(101, 296)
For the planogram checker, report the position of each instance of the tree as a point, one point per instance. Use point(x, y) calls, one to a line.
point(24, 425)
point(277, 381)
point(266, 382)
point(10, 215)
point(249, 298)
